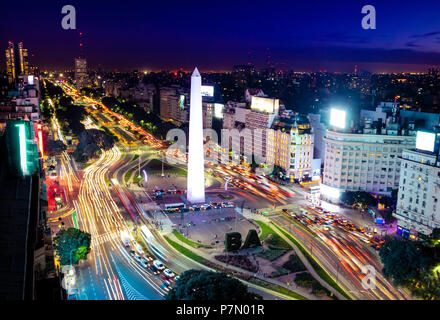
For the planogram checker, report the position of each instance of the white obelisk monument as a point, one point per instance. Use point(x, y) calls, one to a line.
point(196, 165)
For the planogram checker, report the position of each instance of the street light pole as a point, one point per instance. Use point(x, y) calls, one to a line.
point(162, 166)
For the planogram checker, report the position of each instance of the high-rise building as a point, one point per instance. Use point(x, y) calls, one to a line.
point(418, 199)
point(174, 104)
point(290, 147)
point(81, 76)
point(261, 115)
point(363, 162)
point(16, 61)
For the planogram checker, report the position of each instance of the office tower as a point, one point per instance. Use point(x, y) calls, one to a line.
point(80, 73)
point(290, 147)
point(418, 205)
point(174, 104)
point(16, 61)
point(363, 162)
point(196, 173)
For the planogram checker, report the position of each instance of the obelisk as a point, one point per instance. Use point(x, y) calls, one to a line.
point(196, 166)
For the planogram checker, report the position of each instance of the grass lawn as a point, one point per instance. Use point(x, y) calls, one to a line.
point(265, 230)
point(136, 178)
point(271, 255)
point(134, 158)
point(128, 175)
point(155, 167)
point(189, 242)
point(184, 250)
point(274, 241)
point(277, 288)
point(319, 270)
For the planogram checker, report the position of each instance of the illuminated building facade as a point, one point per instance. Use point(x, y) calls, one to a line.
point(22, 149)
point(196, 165)
point(418, 199)
point(261, 115)
point(291, 148)
point(16, 61)
point(81, 76)
point(363, 162)
point(174, 104)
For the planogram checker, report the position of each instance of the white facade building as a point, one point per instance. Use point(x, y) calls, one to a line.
point(418, 200)
point(363, 162)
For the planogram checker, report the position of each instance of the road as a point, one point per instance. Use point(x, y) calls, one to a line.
point(342, 255)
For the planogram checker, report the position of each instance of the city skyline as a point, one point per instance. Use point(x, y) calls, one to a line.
point(303, 37)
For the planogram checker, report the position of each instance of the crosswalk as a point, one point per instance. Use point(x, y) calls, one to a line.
point(103, 238)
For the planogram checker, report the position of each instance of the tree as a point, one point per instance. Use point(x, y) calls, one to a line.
point(72, 244)
point(91, 141)
point(404, 261)
point(359, 199)
point(428, 288)
point(207, 285)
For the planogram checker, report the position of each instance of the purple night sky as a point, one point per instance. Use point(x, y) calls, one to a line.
point(215, 35)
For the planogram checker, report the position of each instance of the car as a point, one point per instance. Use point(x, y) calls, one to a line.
point(145, 263)
point(158, 264)
point(148, 258)
point(132, 253)
point(154, 269)
point(166, 285)
point(169, 273)
point(138, 257)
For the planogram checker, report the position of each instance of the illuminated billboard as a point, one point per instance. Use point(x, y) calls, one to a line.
point(218, 110)
point(425, 141)
point(269, 105)
point(207, 91)
point(337, 118)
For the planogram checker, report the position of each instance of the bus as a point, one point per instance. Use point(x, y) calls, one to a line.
point(174, 207)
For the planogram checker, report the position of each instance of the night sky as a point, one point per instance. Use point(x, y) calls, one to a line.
point(215, 35)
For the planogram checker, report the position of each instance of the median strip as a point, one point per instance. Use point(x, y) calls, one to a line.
point(319, 270)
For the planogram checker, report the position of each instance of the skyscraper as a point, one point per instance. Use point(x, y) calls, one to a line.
point(80, 73)
point(16, 61)
point(196, 170)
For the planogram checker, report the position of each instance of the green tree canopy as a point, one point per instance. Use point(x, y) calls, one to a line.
point(207, 285)
point(360, 199)
point(404, 261)
point(72, 241)
point(428, 288)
